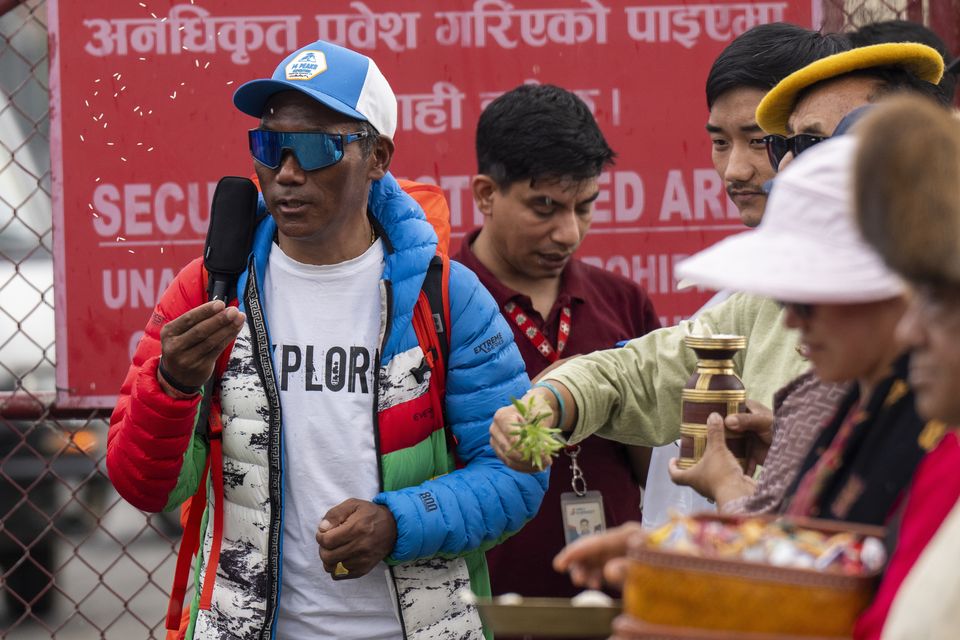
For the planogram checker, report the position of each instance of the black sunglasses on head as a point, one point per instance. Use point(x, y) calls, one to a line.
point(778, 146)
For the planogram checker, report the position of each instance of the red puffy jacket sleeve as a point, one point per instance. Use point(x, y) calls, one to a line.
point(149, 430)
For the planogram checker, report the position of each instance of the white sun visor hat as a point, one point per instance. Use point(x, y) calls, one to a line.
point(807, 248)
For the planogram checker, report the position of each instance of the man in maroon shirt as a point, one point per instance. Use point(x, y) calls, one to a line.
point(540, 154)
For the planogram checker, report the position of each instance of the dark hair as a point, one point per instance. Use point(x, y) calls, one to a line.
point(905, 31)
point(898, 80)
point(540, 131)
point(368, 143)
point(766, 54)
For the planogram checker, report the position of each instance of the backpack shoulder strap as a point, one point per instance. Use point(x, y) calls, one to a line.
point(436, 288)
point(209, 426)
point(431, 322)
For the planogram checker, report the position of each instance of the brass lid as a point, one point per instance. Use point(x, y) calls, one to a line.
point(715, 342)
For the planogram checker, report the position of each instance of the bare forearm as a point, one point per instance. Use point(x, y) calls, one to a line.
point(734, 489)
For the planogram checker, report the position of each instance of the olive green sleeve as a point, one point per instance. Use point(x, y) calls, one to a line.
point(632, 394)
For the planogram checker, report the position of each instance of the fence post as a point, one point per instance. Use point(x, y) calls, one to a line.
point(945, 20)
point(834, 16)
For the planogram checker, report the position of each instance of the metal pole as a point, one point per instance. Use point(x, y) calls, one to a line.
point(945, 20)
point(833, 16)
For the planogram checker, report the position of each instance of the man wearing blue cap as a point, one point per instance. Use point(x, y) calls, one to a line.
point(340, 514)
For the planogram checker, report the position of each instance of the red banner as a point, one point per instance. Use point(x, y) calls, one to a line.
point(143, 126)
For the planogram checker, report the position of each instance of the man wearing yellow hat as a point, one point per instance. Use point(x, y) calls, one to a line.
point(806, 106)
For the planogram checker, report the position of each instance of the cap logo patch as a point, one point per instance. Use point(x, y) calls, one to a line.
point(308, 64)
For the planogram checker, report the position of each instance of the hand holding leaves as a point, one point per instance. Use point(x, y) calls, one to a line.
point(535, 441)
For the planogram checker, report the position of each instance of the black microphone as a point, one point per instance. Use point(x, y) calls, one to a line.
point(233, 218)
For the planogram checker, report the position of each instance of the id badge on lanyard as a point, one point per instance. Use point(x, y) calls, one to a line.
point(581, 510)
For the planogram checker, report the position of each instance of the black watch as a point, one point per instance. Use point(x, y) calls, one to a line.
point(176, 384)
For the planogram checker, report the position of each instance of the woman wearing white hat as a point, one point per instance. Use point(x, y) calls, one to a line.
point(808, 253)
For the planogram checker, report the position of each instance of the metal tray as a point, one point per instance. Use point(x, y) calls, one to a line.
point(547, 618)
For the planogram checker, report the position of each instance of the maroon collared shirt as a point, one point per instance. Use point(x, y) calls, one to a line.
point(605, 309)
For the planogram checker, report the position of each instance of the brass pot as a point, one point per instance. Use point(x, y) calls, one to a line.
point(714, 387)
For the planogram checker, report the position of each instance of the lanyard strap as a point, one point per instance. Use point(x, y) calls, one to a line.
point(577, 482)
point(536, 336)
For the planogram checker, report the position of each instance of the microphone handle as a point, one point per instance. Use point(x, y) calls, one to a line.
point(219, 291)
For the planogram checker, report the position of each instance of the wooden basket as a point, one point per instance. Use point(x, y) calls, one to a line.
point(673, 589)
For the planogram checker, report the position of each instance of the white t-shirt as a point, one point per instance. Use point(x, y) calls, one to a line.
point(324, 324)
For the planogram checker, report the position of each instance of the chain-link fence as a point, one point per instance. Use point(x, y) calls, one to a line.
point(840, 15)
point(75, 561)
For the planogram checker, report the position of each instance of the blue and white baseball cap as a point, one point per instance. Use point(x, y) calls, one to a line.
point(343, 80)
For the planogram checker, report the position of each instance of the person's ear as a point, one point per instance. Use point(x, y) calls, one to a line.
point(484, 189)
point(380, 158)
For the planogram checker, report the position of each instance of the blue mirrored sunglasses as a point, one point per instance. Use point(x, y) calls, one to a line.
point(313, 149)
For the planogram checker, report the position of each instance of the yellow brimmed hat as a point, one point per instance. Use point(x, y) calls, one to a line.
point(919, 59)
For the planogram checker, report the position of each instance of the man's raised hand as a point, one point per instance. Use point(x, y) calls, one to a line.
point(192, 343)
